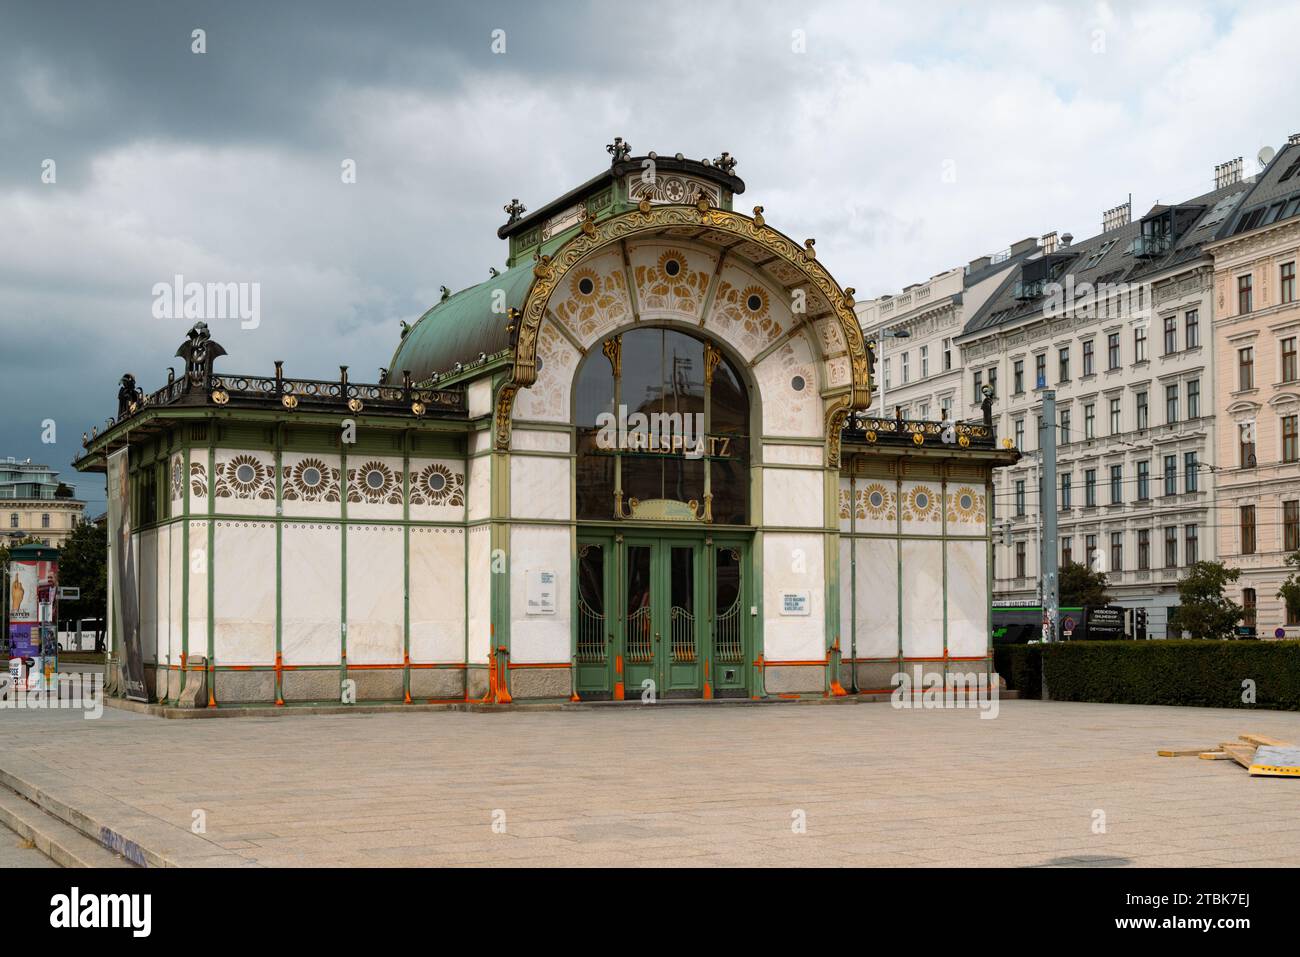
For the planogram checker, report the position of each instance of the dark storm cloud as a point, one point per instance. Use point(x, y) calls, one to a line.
point(225, 166)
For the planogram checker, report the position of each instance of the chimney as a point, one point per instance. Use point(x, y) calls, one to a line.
point(1121, 215)
point(1225, 174)
point(1024, 246)
point(1066, 239)
point(1049, 243)
point(1293, 139)
point(983, 262)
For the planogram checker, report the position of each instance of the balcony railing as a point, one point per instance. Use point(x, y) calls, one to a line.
point(875, 430)
point(339, 395)
point(1152, 246)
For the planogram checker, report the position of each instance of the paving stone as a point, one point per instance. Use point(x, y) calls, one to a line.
point(671, 786)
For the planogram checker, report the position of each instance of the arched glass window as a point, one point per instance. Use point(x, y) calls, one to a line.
point(663, 422)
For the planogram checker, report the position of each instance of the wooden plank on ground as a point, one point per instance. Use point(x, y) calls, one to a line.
point(1216, 756)
point(1243, 754)
point(1180, 752)
point(1264, 741)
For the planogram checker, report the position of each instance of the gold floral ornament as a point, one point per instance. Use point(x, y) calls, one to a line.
point(965, 505)
point(876, 502)
point(374, 483)
point(921, 505)
point(289, 401)
point(311, 480)
point(437, 484)
point(245, 476)
point(220, 396)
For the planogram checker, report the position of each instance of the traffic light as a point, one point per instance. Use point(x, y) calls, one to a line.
point(1140, 623)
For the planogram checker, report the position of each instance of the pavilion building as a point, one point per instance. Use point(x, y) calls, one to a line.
point(637, 460)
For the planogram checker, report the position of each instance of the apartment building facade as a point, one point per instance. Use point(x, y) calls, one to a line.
point(914, 333)
point(34, 504)
point(1120, 327)
point(1257, 329)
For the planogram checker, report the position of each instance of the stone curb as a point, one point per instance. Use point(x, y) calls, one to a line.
point(476, 707)
point(127, 834)
point(61, 843)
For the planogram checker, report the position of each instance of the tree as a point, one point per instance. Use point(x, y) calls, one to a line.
point(1081, 586)
point(1203, 610)
point(1290, 590)
point(83, 563)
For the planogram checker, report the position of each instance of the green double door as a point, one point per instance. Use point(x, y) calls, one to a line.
point(666, 615)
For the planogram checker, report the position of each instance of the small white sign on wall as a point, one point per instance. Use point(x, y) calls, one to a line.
point(541, 591)
point(794, 603)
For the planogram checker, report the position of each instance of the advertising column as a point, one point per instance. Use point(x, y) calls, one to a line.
point(33, 596)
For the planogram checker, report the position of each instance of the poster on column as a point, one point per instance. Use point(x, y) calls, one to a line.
point(30, 584)
point(126, 594)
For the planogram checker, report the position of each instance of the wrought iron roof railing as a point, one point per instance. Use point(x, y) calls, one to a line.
point(876, 430)
point(309, 395)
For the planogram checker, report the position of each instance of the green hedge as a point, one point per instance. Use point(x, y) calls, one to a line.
point(1205, 674)
point(1021, 666)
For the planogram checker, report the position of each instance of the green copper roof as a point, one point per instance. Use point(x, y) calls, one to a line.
point(458, 329)
point(473, 321)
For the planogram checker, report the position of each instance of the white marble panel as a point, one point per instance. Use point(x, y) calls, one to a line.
point(665, 291)
point(478, 397)
point(437, 594)
point(376, 616)
point(539, 440)
point(846, 593)
point(794, 562)
point(540, 487)
point(923, 599)
point(967, 509)
point(875, 508)
point(199, 481)
point(162, 591)
point(548, 399)
point(437, 490)
point(793, 498)
point(479, 491)
point(197, 640)
point(750, 311)
point(592, 299)
point(921, 505)
point(147, 576)
point(877, 598)
point(788, 387)
point(374, 486)
point(776, 454)
point(176, 482)
point(480, 593)
point(244, 593)
point(176, 588)
point(312, 485)
point(968, 599)
point(244, 482)
point(536, 639)
point(311, 603)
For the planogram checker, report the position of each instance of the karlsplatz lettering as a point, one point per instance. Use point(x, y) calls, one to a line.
point(664, 433)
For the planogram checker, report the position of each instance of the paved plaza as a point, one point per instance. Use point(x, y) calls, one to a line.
point(671, 785)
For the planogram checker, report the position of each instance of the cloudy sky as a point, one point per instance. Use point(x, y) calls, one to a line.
point(907, 137)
